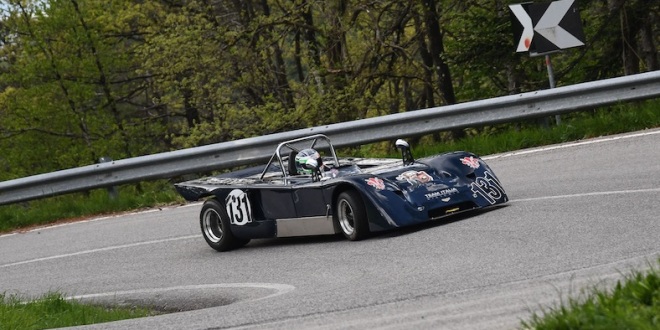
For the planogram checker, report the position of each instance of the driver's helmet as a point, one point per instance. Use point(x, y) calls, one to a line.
point(307, 160)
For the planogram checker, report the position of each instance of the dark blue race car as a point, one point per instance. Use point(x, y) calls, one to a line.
point(300, 192)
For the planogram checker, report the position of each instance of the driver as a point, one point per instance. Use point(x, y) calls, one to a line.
point(308, 161)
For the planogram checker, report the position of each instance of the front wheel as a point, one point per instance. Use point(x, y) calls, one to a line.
point(215, 227)
point(352, 215)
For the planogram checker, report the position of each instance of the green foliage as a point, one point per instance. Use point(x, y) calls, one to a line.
point(82, 79)
point(54, 310)
point(69, 94)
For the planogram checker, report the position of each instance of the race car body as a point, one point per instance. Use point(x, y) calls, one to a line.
point(300, 193)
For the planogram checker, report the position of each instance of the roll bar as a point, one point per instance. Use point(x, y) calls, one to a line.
point(290, 146)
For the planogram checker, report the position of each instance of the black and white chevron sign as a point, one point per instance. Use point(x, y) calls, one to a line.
point(546, 27)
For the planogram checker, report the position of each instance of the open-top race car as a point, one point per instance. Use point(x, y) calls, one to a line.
point(299, 193)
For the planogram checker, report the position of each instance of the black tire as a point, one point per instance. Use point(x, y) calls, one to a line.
point(214, 222)
point(352, 215)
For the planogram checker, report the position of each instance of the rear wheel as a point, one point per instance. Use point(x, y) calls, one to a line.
point(214, 222)
point(352, 215)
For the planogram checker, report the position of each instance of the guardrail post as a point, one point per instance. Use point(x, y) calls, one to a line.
point(112, 191)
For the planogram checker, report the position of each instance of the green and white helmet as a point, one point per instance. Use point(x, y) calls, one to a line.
point(307, 160)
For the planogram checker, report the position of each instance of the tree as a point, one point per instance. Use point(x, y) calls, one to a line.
point(82, 79)
point(70, 85)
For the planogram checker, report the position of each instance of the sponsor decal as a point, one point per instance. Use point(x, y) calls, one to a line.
point(471, 162)
point(487, 187)
point(415, 177)
point(435, 186)
point(238, 207)
point(442, 193)
point(376, 183)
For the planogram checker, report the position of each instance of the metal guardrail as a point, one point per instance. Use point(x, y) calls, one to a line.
point(258, 149)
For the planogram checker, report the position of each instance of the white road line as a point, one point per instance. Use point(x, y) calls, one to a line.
point(109, 248)
point(571, 145)
point(599, 193)
point(279, 289)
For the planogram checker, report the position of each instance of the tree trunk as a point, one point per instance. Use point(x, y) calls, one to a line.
point(104, 83)
point(298, 58)
point(629, 28)
point(192, 114)
point(48, 52)
point(335, 49)
point(282, 89)
point(313, 45)
point(436, 47)
point(427, 60)
point(649, 52)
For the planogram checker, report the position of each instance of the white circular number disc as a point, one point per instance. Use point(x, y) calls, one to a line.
point(238, 207)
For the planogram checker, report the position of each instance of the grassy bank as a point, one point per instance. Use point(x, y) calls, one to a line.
point(54, 311)
point(577, 126)
point(482, 141)
point(508, 137)
point(71, 207)
point(634, 303)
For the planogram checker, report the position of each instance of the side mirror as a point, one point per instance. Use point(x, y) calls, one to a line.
point(402, 144)
point(406, 154)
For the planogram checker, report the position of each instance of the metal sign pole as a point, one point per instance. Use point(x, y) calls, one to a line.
point(541, 28)
point(551, 79)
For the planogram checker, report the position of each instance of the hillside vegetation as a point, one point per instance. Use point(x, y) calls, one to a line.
point(85, 79)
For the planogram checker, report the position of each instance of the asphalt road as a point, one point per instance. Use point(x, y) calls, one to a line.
point(580, 215)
